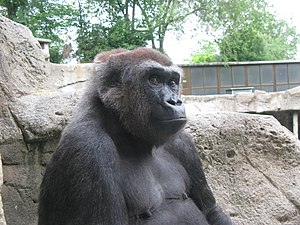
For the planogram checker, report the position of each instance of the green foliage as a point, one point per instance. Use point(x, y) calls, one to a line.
point(207, 53)
point(97, 38)
point(128, 24)
point(160, 17)
point(55, 51)
point(111, 32)
point(249, 32)
point(203, 57)
point(10, 8)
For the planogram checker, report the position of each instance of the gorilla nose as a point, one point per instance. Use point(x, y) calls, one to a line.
point(174, 102)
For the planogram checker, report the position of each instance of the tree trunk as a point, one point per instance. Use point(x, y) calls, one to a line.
point(133, 15)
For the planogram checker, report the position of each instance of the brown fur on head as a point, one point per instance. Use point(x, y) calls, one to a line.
point(137, 55)
point(104, 56)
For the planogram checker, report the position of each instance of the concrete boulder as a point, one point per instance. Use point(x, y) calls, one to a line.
point(22, 71)
point(36, 101)
point(252, 164)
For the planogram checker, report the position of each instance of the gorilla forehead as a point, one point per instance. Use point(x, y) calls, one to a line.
point(128, 71)
point(138, 74)
point(156, 66)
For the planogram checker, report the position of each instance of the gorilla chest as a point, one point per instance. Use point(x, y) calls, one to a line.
point(149, 183)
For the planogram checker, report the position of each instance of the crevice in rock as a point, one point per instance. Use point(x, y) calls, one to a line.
point(23, 196)
point(20, 194)
point(73, 83)
point(292, 201)
point(197, 107)
point(19, 125)
point(16, 186)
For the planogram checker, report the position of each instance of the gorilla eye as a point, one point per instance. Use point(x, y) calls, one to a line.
point(154, 80)
point(173, 84)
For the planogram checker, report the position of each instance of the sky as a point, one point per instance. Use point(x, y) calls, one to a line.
point(181, 49)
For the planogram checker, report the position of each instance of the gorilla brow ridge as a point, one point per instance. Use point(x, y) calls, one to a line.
point(137, 55)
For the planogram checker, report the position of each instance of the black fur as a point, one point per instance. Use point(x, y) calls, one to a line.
point(124, 158)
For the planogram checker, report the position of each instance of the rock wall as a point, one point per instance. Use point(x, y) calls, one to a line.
point(2, 217)
point(22, 71)
point(36, 100)
point(252, 162)
point(259, 101)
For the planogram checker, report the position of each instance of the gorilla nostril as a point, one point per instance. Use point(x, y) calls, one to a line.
point(174, 102)
point(171, 101)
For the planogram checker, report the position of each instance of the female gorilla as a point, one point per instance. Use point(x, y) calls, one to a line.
point(124, 158)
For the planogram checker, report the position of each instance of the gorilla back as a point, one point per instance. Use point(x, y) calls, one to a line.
point(124, 158)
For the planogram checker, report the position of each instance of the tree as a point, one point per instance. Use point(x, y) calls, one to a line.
point(161, 16)
point(10, 8)
point(208, 53)
point(129, 23)
point(101, 24)
point(250, 32)
point(113, 30)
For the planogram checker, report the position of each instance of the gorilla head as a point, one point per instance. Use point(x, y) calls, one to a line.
point(142, 87)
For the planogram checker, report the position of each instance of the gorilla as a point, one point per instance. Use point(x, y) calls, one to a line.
point(124, 158)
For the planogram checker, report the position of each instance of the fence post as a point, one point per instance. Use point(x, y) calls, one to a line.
point(295, 123)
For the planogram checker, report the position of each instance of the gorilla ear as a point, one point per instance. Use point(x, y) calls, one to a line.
point(108, 74)
point(112, 76)
point(114, 64)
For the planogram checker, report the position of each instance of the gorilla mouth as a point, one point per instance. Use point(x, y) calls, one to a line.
point(174, 119)
point(179, 118)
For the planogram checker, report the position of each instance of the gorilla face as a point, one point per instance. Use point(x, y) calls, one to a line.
point(167, 111)
point(145, 95)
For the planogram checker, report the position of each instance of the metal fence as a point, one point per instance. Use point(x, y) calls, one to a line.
point(220, 78)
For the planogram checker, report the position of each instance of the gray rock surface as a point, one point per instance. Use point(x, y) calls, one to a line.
point(2, 217)
point(258, 102)
point(252, 164)
point(284, 105)
point(22, 72)
point(22, 65)
point(251, 161)
point(36, 100)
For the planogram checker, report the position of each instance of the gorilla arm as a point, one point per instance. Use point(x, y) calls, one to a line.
point(80, 184)
point(183, 148)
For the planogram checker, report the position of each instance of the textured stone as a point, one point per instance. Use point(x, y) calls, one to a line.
point(44, 115)
point(18, 208)
point(23, 71)
point(22, 65)
point(2, 217)
point(14, 153)
point(252, 164)
point(248, 102)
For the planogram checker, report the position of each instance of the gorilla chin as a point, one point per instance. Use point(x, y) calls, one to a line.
point(172, 125)
point(165, 129)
